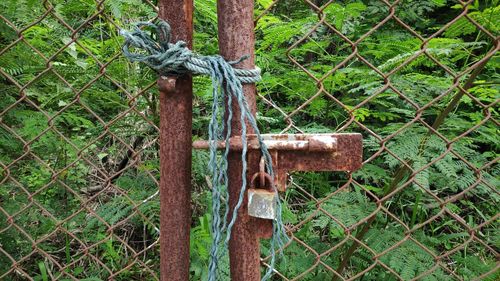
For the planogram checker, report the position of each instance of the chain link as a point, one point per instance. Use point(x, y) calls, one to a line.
point(54, 241)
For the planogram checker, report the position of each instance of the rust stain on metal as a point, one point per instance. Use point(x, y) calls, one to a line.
point(303, 152)
point(179, 14)
point(167, 84)
point(322, 142)
point(311, 142)
point(236, 38)
point(346, 157)
point(175, 152)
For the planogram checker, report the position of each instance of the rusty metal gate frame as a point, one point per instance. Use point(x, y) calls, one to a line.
point(236, 37)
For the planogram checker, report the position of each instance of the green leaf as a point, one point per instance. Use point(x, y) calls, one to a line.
point(43, 271)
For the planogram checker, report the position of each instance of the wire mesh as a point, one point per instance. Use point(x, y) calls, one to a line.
point(79, 135)
point(79, 148)
point(402, 216)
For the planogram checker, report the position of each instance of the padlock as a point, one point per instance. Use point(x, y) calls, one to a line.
point(262, 202)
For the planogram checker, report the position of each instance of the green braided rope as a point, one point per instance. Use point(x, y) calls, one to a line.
point(168, 58)
point(176, 59)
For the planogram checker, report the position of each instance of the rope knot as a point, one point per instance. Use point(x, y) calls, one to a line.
point(175, 59)
point(160, 55)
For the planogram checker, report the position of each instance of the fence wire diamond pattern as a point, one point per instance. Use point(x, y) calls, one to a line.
point(375, 234)
point(79, 148)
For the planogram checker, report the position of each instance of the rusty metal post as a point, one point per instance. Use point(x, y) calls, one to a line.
point(236, 38)
point(176, 96)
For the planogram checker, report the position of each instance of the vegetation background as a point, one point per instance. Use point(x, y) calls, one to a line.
point(79, 151)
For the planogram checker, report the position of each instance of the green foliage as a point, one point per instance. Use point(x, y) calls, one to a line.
point(201, 240)
point(62, 128)
point(419, 81)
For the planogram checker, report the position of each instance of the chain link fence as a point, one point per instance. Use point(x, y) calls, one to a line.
point(79, 148)
point(78, 145)
point(417, 209)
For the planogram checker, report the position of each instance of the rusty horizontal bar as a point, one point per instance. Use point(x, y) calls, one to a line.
point(301, 152)
point(302, 142)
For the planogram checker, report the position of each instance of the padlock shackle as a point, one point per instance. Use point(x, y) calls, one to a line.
point(266, 177)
